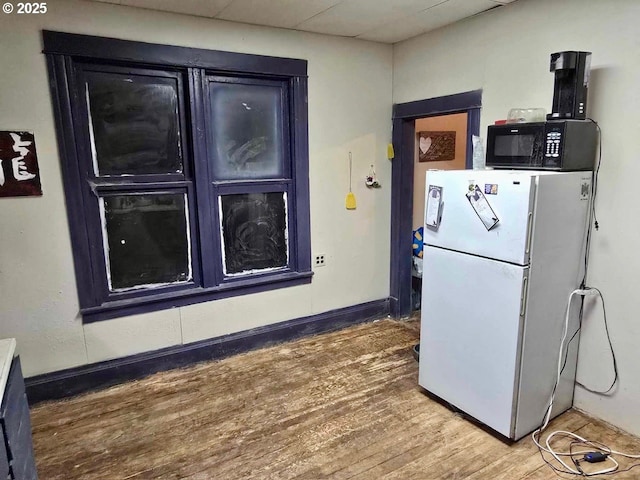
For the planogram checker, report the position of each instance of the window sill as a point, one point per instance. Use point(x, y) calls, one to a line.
point(152, 303)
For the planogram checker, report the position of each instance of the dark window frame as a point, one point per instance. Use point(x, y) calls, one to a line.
point(108, 185)
point(68, 56)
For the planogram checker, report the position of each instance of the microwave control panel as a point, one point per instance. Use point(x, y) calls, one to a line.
point(553, 140)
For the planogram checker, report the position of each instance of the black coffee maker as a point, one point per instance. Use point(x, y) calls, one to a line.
point(571, 85)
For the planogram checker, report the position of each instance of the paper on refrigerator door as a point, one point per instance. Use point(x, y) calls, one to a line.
point(482, 207)
point(434, 203)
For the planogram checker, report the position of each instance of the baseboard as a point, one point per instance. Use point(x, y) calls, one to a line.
point(74, 381)
point(394, 307)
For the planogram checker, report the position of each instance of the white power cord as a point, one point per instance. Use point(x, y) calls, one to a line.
point(576, 438)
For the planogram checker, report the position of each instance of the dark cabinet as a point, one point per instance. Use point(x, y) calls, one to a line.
point(4, 461)
point(16, 452)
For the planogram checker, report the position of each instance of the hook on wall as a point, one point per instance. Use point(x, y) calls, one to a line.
point(371, 180)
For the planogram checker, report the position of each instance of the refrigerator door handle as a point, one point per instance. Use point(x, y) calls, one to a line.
point(529, 232)
point(523, 296)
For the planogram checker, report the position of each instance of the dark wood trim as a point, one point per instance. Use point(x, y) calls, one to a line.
point(58, 83)
point(116, 50)
point(394, 270)
point(473, 128)
point(255, 187)
point(459, 102)
point(209, 254)
point(404, 116)
point(402, 216)
point(181, 296)
point(300, 173)
point(73, 381)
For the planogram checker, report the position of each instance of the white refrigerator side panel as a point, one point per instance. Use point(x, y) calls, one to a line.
point(556, 269)
point(461, 229)
point(470, 334)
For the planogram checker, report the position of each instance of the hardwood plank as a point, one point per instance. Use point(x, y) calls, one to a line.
point(506, 461)
point(599, 431)
point(343, 405)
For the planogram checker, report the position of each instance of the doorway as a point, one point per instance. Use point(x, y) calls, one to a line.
point(408, 119)
point(440, 143)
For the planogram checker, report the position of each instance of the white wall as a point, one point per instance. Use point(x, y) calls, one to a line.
point(349, 109)
point(505, 52)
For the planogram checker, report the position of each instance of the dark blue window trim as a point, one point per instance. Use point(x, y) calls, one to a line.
point(68, 57)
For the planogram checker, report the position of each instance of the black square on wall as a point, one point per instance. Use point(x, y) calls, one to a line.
point(19, 173)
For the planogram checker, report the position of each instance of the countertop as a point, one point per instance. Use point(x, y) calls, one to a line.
point(7, 349)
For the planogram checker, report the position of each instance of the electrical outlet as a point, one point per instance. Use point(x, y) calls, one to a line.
point(320, 260)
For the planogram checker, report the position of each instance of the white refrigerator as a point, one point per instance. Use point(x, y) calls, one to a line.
point(502, 252)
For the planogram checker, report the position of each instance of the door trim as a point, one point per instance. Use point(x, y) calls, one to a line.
point(404, 117)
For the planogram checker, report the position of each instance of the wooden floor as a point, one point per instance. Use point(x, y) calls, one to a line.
point(344, 405)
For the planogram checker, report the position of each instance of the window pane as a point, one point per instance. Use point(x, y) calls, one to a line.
point(147, 239)
point(254, 231)
point(247, 132)
point(133, 123)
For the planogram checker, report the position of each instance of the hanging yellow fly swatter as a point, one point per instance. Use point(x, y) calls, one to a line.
point(350, 201)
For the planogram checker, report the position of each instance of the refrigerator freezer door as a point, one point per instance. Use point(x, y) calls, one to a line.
point(509, 194)
point(470, 337)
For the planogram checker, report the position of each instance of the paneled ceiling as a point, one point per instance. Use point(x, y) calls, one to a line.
point(387, 21)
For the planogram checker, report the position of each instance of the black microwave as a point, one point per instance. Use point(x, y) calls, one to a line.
point(562, 145)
